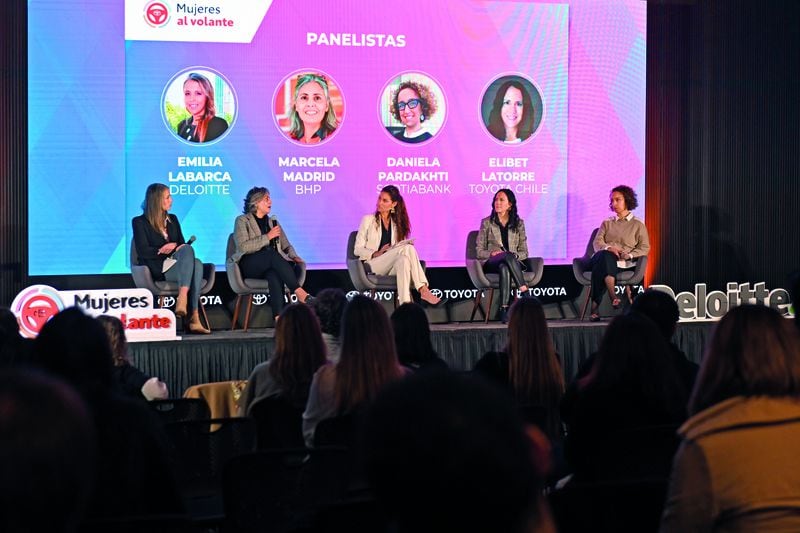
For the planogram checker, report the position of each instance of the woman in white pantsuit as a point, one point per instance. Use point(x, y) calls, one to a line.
point(376, 243)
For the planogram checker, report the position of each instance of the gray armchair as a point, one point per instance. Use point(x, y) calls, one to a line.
point(583, 272)
point(143, 279)
point(363, 279)
point(490, 282)
point(248, 286)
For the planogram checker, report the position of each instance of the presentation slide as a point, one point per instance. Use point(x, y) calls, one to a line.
point(324, 104)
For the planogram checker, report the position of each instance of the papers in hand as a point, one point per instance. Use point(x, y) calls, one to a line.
point(168, 263)
point(401, 243)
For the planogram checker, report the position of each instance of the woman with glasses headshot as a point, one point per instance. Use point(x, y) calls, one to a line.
point(412, 104)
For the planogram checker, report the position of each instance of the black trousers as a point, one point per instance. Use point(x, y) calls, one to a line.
point(268, 264)
point(603, 264)
point(508, 266)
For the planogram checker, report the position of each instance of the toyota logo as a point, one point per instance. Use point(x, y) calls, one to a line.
point(167, 301)
point(260, 299)
point(352, 294)
point(437, 292)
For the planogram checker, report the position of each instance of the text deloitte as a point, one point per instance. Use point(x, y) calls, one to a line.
point(702, 304)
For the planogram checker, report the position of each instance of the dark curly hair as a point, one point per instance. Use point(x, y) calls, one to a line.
point(426, 99)
point(628, 193)
point(329, 307)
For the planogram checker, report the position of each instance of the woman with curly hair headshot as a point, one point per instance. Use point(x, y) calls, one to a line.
point(413, 103)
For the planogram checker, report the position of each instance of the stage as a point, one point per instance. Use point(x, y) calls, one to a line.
point(231, 355)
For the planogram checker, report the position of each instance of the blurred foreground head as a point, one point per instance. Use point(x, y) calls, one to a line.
point(450, 453)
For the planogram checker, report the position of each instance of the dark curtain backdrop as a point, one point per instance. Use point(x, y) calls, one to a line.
point(723, 125)
point(13, 149)
point(722, 142)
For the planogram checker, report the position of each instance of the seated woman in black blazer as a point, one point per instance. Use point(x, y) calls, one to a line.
point(157, 235)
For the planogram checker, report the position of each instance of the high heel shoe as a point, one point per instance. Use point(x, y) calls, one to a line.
point(180, 304)
point(428, 299)
point(195, 326)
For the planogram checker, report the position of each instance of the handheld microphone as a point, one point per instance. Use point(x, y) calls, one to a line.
point(274, 241)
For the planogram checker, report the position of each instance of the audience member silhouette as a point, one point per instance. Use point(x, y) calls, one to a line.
point(368, 362)
point(14, 349)
point(633, 384)
point(329, 306)
point(131, 381)
point(529, 367)
point(133, 476)
point(412, 338)
point(448, 452)
point(662, 309)
point(47, 454)
point(738, 468)
point(299, 352)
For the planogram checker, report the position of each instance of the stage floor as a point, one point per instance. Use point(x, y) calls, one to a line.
point(231, 355)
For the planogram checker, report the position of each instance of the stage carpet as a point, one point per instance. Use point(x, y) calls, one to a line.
point(226, 355)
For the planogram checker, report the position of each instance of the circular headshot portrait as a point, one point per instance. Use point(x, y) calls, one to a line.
point(199, 105)
point(512, 109)
point(309, 107)
point(412, 108)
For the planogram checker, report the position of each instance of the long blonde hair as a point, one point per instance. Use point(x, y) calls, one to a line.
point(152, 206)
point(210, 108)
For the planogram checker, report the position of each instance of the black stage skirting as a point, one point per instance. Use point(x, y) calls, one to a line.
point(226, 355)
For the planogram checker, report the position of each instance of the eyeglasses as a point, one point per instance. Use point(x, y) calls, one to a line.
point(414, 102)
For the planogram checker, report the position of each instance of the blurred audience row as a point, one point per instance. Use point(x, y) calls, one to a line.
point(442, 451)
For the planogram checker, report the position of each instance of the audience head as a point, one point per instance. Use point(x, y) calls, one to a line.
point(534, 370)
point(115, 331)
point(299, 350)
point(74, 346)
point(12, 345)
point(368, 358)
point(47, 451)
point(753, 351)
point(328, 306)
point(412, 335)
point(8, 323)
point(446, 452)
point(659, 307)
point(634, 358)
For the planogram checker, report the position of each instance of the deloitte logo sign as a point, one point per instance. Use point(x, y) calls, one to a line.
point(704, 305)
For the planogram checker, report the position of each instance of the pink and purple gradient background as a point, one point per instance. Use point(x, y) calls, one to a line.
point(586, 56)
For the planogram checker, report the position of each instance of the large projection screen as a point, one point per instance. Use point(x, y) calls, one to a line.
point(108, 103)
